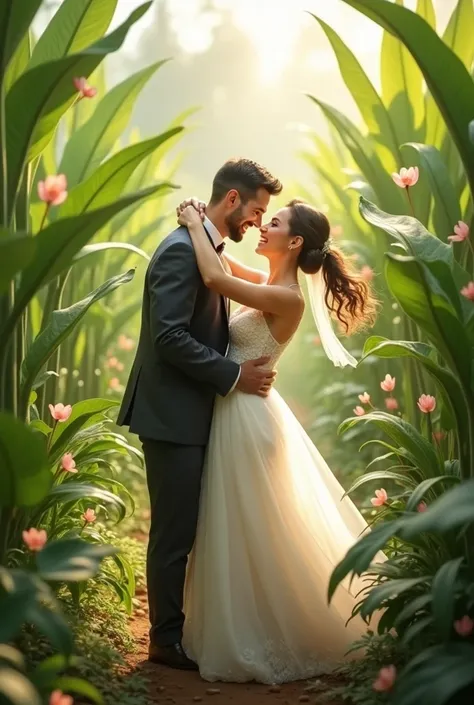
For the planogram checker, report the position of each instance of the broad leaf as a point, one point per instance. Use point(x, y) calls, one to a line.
point(16, 688)
point(24, 468)
point(444, 592)
point(71, 560)
point(84, 413)
point(16, 252)
point(387, 590)
point(89, 250)
point(451, 511)
point(15, 19)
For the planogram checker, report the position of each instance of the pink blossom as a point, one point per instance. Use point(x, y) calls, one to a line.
point(367, 273)
point(385, 679)
point(464, 626)
point(59, 412)
point(422, 507)
point(67, 463)
point(365, 398)
point(388, 384)
point(468, 291)
point(57, 697)
point(125, 343)
point(391, 404)
point(34, 539)
point(461, 232)
point(380, 498)
point(89, 516)
point(359, 411)
point(53, 190)
point(112, 362)
point(406, 177)
point(439, 436)
point(114, 383)
point(84, 88)
point(426, 403)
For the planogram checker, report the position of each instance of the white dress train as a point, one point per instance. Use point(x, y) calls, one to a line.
point(271, 529)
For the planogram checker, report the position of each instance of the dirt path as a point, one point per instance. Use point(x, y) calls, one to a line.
point(182, 688)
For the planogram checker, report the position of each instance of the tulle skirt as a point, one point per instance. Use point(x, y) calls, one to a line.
point(271, 529)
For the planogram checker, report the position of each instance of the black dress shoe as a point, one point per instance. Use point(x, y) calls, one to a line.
point(172, 656)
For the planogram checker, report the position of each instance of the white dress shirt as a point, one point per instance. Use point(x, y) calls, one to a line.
point(218, 240)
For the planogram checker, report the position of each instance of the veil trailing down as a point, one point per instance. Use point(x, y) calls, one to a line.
point(272, 527)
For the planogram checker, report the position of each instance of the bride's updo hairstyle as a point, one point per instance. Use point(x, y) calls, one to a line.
point(348, 296)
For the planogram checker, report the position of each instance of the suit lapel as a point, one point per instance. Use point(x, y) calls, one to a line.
point(225, 300)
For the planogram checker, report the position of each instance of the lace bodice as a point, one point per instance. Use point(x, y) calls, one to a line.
point(250, 337)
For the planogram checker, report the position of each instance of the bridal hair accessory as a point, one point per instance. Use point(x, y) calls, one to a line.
point(331, 344)
point(327, 246)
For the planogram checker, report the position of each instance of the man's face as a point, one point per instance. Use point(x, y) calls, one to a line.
point(246, 215)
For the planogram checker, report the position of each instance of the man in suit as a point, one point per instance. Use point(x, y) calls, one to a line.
point(179, 367)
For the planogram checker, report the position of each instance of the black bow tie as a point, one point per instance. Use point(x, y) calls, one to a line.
point(220, 248)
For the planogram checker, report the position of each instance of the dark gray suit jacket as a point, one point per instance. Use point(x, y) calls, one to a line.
point(179, 365)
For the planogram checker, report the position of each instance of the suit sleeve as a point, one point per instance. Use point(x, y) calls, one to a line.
point(173, 281)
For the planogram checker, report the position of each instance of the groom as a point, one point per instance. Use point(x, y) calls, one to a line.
point(179, 367)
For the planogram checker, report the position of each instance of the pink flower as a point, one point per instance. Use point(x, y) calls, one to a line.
point(59, 412)
point(461, 232)
point(468, 291)
point(388, 384)
point(380, 498)
point(89, 516)
point(84, 88)
point(34, 539)
point(385, 679)
point(57, 697)
point(406, 177)
point(464, 626)
point(114, 383)
point(119, 366)
point(112, 362)
point(367, 273)
point(422, 507)
point(53, 190)
point(125, 343)
point(391, 403)
point(439, 436)
point(364, 398)
point(67, 463)
point(426, 403)
point(316, 340)
point(359, 411)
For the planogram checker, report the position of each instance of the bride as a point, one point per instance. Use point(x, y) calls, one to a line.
point(272, 525)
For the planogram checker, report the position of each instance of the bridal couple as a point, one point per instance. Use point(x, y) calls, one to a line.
point(235, 483)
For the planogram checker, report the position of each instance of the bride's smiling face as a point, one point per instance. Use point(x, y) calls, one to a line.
point(275, 235)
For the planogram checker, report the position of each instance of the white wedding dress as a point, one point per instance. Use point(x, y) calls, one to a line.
point(271, 529)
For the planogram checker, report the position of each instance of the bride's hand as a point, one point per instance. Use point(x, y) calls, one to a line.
point(189, 216)
point(198, 205)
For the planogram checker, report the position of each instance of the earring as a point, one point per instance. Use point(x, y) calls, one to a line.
point(290, 247)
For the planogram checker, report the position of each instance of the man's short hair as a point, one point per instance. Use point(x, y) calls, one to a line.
point(246, 177)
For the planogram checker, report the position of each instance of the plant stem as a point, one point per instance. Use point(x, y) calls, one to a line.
point(407, 189)
point(45, 215)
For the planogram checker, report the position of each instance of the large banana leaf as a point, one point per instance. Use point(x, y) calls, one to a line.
point(24, 469)
point(75, 25)
point(446, 211)
point(56, 246)
point(402, 89)
point(59, 326)
point(18, 62)
point(48, 91)
point(446, 76)
point(16, 252)
point(89, 145)
point(15, 19)
point(107, 183)
point(368, 101)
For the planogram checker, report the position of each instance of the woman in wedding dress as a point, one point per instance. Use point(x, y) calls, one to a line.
point(272, 525)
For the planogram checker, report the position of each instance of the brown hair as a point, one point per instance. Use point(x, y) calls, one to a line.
point(246, 177)
point(348, 296)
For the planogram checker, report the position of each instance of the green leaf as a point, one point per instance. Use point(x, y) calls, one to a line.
point(19, 61)
point(410, 611)
point(60, 324)
point(52, 624)
point(402, 90)
point(16, 688)
point(366, 98)
point(71, 560)
point(75, 25)
point(15, 19)
point(44, 377)
point(70, 684)
point(75, 491)
point(402, 433)
point(451, 511)
point(442, 672)
point(104, 246)
point(404, 480)
point(56, 246)
point(49, 92)
point(89, 145)
point(12, 656)
point(446, 76)
point(108, 181)
point(84, 413)
point(25, 477)
point(444, 591)
point(389, 589)
point(446, 211)
point(16, 252)
point(425, 486)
